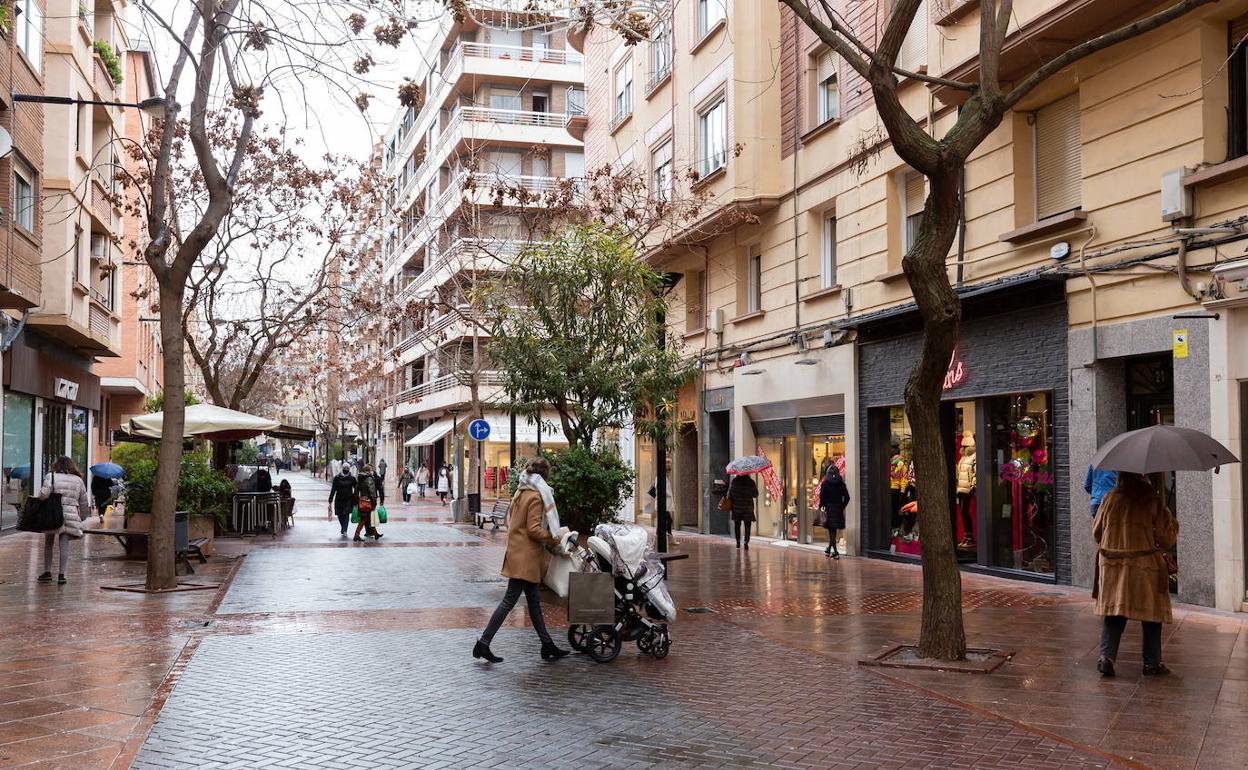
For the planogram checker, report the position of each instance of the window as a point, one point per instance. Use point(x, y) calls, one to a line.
point(660, 53)
point(623, 91)
point(507, 165)
point(754, 280)
point(661, 171)
point(1237, 128)
point(541, 102)
point(914, 195)
point(827, 93)
point(29, 32)
point(913, 54)
point(710, 13)
point(23, 195)
point(80, 123)
point(574, 164)
point(827, 251)
point(695, 319)
point(1059, 162)
point(712, 137)
point(75, 256)
point(504, 99)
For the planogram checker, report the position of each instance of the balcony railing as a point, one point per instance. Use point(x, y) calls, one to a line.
point(100, 203)
point(444, 383)
point(468, 249)
point(658, 76)
point(512, 117)
point(575, 101)
point(462, 314)
point(101, 298)
point(517, 53)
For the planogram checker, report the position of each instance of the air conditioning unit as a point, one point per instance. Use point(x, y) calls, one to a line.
point(1176, 198)
point(715, 320)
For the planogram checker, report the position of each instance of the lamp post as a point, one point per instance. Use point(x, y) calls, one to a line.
point(660, 450)
point(153, 106)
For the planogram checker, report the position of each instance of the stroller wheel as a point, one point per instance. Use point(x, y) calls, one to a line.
point(662, 644)
point(645, 642)
point(603, 644)
point(577, 637)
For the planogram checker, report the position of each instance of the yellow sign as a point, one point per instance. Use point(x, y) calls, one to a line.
point(1180, 343)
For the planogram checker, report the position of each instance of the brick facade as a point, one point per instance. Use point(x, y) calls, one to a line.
point(20, 276)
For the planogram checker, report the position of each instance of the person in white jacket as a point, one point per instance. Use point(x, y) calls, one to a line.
point(66, 480)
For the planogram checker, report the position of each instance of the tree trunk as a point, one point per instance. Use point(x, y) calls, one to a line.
point(941, 635)
point(161, 568)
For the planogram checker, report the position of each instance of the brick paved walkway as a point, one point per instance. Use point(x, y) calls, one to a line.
point(334, 654)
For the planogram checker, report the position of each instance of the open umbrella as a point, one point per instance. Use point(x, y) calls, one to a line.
point(206, 421)
point(1162, 448)
point(20, 472)
point(108, 470)
point(748, 464)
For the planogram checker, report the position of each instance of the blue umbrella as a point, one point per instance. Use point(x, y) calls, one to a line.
point(108, 470)
point(20, 472)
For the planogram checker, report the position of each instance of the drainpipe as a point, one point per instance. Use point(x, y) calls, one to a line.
point(797, 117)
point(1083, 265)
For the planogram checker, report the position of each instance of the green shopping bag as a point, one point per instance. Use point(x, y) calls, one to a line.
point(355, 515)
point(381, 514)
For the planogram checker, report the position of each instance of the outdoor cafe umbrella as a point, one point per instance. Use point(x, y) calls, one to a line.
point(1162, 448)
point(108, 470)
point(215, 423)
point(748, 464)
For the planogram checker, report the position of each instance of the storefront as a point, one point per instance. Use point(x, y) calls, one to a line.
point(792, 410)
point(438, 440)
point(1003, 423)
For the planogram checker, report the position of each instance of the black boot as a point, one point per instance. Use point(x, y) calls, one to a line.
point(551, 652)
point(482, 650)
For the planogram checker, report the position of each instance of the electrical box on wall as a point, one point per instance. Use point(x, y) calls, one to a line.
point(1176, 198)
point(715, 320)
point(65, 389)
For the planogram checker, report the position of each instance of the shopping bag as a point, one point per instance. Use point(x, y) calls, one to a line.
point(557, 573)
point(355, 515)
point(373, 519)
point(591, 598)
point(381, 514)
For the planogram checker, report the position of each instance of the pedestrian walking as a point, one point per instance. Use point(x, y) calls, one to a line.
point(406, 479)
point(380, 485)
point(381, 469)
point(342, 493)
point(422, 481)
point(1098, 483)
point(444, 483)
point(1132, 529)
point(102, 491)
point(367, 496)
point(741, 492)
point(66, 480)
point(833, 497)
point(526, 559)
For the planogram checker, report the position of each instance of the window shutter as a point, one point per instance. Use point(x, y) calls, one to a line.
point(1059, 166)
point(915, 193)
point(827, 66)
point(913, 53)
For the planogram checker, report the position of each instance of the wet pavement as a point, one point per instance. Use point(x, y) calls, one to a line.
point(325, 653)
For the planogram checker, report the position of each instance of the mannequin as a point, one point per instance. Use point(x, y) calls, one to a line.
point(966, 489)
point(901, 480)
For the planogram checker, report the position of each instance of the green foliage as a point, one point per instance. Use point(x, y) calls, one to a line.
point(127, 454)
point(111, 63)
point(590, 485)
point(201, 490)
point(156, 402)
point(577, 329)
point(247, 453)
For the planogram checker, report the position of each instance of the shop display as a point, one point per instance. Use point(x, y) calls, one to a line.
point(965, 493)
point(1026, 481)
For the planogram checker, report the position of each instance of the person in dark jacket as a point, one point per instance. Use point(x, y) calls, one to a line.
point(366, 489)
point(342, 497)
point(833, 497)
point(102, 491)
point(741, 491)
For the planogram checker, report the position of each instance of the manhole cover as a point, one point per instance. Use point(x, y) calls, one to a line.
point(699, 610)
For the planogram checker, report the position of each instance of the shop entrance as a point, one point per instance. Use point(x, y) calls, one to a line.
point(823, 447)
point(718, 446)
point(53, 433)
point(778, 513)
point(1150, 401)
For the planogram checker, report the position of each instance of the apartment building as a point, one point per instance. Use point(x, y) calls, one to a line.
point(496, 93)
point(128, 380)
point(1096, 266)
point(21, 71)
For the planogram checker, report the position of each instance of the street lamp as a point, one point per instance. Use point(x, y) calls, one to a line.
point(153, 106)
point(669, 281)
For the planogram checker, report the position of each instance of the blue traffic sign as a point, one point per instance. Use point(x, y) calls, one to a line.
point(311, 443)
point(479, 430)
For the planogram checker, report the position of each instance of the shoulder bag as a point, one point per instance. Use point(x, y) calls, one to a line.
point(725, 502)
point(42, 514)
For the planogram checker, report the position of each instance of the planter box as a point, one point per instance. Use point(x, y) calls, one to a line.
point(199, 526)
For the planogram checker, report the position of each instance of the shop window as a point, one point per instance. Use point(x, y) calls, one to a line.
point(776, 507)
point(913, 54)
point(19, 455)
point(827, 251)
point(1237, 71)
point(1020, 512)
point(827, 92)
point(1059, 161)
point(713, 137)
point(822, 451)
point(78, 437)
point(661, 171)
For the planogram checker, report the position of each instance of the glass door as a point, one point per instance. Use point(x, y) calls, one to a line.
point(54, 434)
point(1150, 401)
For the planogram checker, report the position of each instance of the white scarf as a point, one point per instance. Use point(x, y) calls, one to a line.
point(535, 482)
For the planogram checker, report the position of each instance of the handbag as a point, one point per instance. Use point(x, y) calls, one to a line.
point(1172, 564)
point(381, 514)
point(557, 574)
point(821, 517)
point(42, 514)
point(725, 504)
point(365, 504)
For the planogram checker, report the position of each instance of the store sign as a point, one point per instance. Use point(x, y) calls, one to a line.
point(956, 374)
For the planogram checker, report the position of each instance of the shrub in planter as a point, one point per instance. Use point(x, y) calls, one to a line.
point(202, 491)
point(589, 485)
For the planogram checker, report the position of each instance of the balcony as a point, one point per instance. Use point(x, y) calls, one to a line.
point(440, 393)
point(458, 324)
point(101, 206)
point(100, 78)
point(466, 254)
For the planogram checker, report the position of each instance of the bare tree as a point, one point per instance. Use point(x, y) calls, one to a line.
point(940, 158)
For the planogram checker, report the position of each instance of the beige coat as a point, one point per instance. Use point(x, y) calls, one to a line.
point(74, 501)
point(1133, 581)
point(526, 559)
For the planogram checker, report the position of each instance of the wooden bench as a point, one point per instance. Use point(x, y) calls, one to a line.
point(128, 538)
point(498, 513)
point(193, 548)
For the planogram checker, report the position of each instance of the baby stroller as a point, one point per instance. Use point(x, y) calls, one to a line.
point(643, 606)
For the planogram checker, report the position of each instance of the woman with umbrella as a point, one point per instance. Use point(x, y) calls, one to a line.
point(742, 490)
point(103, 475)
point(1134, 529)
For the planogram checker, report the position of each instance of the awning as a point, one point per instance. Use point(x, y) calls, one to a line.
point(291, 432)
point(205, 421)
point(526, 431)
point(432, 434)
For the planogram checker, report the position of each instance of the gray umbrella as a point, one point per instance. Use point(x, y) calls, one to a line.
point(1162, 448)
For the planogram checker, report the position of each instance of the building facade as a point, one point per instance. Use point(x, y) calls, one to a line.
point(1097, 217)
point(495, 95)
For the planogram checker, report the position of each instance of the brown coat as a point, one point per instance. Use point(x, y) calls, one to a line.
point(1132, 579)
point(526, 559)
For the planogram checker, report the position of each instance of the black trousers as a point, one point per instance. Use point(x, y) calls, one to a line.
point(344, 518)
point(736, 530)
point(1111, 635)
point(515, 587)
